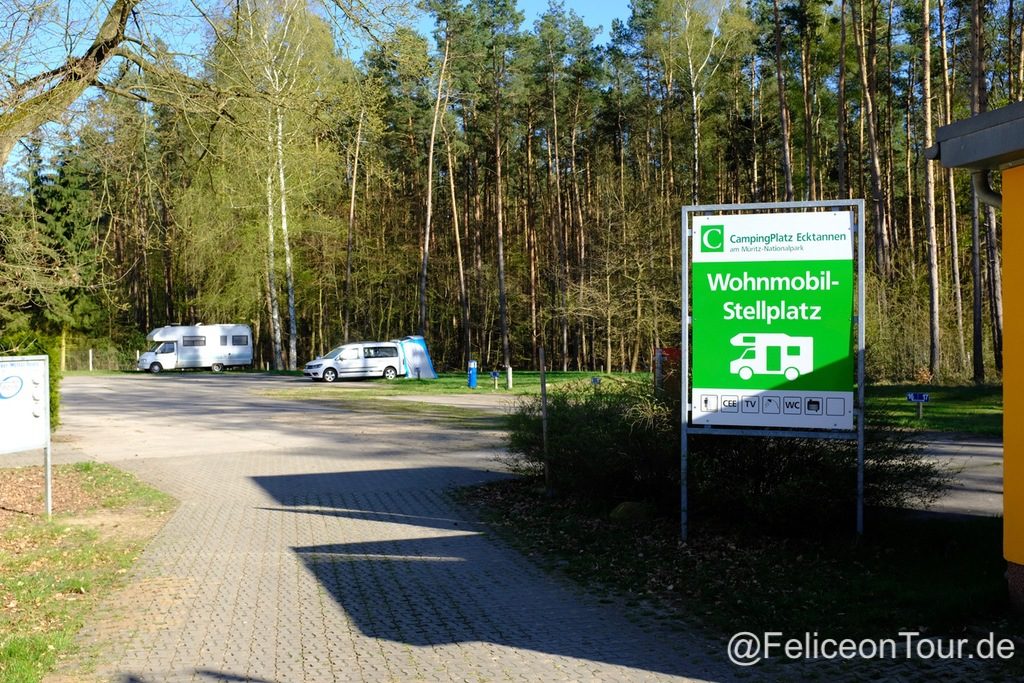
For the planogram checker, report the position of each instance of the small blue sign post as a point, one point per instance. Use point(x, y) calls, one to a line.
point(471, 381)
point(920, 399)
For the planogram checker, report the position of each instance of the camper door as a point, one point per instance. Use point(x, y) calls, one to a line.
point(166, 354)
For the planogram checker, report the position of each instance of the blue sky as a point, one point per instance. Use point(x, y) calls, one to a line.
point(594, 12)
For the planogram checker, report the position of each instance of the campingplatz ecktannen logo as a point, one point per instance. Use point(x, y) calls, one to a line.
point(712, 239)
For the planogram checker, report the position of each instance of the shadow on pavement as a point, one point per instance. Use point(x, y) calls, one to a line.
point(202, 674)
point(414, 572)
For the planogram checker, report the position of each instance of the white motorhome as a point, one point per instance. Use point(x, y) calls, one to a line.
point(217, 347)
point(773, 354)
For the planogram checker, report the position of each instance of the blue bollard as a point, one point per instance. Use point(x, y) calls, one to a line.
point(472, 375)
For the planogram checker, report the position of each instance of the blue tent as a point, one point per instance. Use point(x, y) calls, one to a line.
point(417, 359)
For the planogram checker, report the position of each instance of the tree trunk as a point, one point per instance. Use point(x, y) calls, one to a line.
point(499, 220)
point(929, 199)
point(286, 243)
point(166, 242)
point(463, 294)
point(787, 163)
point(995, 289)
point(885, 131)
point(273, 310)
point(425, 255)
point(1019, 95)
point(581, 238)
point(977, 336)
point(1011, 54)
point(908, 172)
point(844, 191)
point(695, 133)
point(877, 191)
point(979, 103)
point(755, 178)
point(954, 239)
point(351, 227)
point(811, 192)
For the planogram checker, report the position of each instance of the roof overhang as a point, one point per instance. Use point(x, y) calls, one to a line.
point(987, 141)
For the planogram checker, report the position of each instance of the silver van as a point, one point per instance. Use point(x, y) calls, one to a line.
point(361, 359)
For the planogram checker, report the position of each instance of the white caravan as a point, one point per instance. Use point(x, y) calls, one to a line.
point(773, 354)
point(175, 347)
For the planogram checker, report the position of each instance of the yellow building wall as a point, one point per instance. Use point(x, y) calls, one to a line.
point(1013, 364)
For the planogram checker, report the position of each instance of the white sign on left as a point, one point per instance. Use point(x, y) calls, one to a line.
point(24, 403)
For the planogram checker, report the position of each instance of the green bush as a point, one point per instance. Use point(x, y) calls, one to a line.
point(807, 486)
point(605, 440)
point(30, 344)
point(617, 441)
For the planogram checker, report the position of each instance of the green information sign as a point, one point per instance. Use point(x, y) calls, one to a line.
point(772, 320)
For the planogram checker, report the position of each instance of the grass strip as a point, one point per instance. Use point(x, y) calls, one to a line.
point(53, 572)
point(958, 409)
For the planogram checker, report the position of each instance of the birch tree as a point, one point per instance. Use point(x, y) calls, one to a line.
point(702, 31)
point(934, 331)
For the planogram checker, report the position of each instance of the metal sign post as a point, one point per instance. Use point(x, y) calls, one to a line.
point(767, 319)
point(920, 399)
point(25, 410)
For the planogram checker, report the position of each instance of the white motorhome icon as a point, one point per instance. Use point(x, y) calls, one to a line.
point(773, 354)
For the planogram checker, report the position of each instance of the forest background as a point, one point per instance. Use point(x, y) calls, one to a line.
point(326, 172)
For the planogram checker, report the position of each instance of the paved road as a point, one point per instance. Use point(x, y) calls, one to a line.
point(313, 544)
point(979, 481)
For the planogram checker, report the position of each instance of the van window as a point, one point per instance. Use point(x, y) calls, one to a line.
point(239, 340)
point(349, 354)
point(223, 340)
point(380, 352)
point(167, 347)
point(193, 341)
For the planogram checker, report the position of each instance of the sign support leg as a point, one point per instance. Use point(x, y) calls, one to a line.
point(683, 497)
point(861, 352)
point(860, 473)
point(548, 484)
point(49, 479)
point(684, 382)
